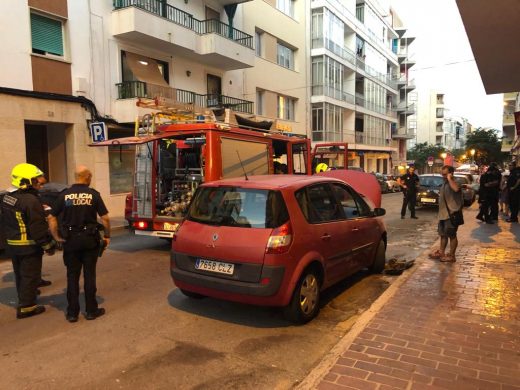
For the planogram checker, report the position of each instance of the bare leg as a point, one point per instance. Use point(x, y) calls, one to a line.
point(444, 243)
point(453, 245)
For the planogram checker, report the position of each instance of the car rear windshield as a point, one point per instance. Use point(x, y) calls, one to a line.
point(234, 206)
point(431, 181)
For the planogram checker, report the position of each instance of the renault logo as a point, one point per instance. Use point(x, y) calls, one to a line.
point(215, 237)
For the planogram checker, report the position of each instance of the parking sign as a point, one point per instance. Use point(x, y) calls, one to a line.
point(98, 131)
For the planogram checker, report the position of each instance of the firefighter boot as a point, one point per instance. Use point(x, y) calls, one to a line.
point(24, 312)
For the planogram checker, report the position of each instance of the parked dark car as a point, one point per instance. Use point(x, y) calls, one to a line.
point(275, 241)
point(428, 194)
point(382, 182)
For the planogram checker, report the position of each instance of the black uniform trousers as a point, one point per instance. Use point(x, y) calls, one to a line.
point(27, 276)
point(409, 199)
point(81, 251)
point(514, 204)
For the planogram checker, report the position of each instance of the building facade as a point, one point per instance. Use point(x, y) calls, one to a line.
point(509, 134)
point(357, 61)
point(430, 117)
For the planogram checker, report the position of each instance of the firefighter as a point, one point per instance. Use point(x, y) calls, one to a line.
point(78, 208)
point(322, 167)
point(27, 235)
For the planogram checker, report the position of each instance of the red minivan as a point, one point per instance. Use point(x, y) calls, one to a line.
point(276, 240)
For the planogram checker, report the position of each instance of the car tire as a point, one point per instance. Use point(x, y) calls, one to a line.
point(378, 265)
point(192, 295)
point(305, 301)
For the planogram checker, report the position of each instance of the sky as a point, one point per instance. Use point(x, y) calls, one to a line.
point(445, 61)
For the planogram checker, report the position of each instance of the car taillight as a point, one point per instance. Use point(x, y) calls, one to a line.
point(140, 224)
point(280, 239)
point(174, 238)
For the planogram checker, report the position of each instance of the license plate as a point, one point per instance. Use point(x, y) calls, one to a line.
point(215, 266)
point(428, 200)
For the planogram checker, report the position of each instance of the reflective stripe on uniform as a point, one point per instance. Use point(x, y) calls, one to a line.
point(21, 224)
point(27, 309)
point(21, 242)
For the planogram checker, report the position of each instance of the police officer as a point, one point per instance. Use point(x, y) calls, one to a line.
point(78, 208)
point(27, 235)
point(513, 183)
point(409, 182)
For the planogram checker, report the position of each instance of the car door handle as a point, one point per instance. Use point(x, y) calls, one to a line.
point(355, 229)
point(326, 237)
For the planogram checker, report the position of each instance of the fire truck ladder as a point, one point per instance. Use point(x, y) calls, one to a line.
point(142, 181)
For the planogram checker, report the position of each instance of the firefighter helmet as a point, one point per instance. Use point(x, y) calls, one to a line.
point(22, 175)
point(321, 167)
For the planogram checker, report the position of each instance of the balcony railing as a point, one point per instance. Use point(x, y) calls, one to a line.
point(140, 89)
point(384, 78)
point(326, 90)
point(182, 18)
point(362, 138)
point(508, 118)
point(343, 52)
point(361, 101)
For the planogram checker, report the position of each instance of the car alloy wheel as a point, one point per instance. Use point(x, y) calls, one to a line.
point(304, 305)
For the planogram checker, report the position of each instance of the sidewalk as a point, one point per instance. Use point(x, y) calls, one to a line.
point(444, 326)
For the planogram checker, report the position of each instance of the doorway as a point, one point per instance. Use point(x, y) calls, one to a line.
point(214, 85)
point(45, 148)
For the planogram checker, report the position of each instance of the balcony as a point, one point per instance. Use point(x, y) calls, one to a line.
point(510, 96)
point(160, 26)
point(128, 91)
point(508, 119)
point(326, 90)
point(404, 108)
point(403, 133)
point(346, 54)
point(507, 145)
point(372, 73)
point(362, 138)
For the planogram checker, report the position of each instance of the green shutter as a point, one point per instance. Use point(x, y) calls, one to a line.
point(46, 35)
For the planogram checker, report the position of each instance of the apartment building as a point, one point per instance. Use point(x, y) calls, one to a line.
point(356, 80)
point(69, 62)
point(430, 117)
point(509, 134)
point(455, 130)
point(277, 83)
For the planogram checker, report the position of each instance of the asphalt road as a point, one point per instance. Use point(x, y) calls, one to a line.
point(154, 337)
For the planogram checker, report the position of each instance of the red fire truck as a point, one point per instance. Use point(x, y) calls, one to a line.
point(173, 159)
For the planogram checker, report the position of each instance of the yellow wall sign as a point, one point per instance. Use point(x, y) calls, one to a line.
point(283, 127)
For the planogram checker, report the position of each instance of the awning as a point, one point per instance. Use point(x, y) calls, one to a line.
point(145, 69)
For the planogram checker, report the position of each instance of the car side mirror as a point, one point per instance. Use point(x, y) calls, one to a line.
point(379, 212)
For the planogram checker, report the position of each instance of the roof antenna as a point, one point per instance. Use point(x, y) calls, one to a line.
point(242, 165)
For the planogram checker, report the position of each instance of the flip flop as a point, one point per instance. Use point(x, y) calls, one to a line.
point(449, 258)
point(436, 255)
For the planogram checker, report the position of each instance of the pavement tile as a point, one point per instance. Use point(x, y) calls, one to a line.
point(449, 326)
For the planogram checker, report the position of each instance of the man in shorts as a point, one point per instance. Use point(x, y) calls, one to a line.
point(450, 200)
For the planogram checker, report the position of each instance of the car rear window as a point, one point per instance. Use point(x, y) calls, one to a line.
point(241, 207)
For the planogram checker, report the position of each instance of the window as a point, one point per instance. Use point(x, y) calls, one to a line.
point(348, 203)
point(46, 35)
point(439, 127)
point(285, 56)
point(440, 99)
point(299, 152)
point(285, 107)
point(286, 6)
point(259, 102)
point(438, 140)
point(440, 112)
point(318, 204)
point(327, 122)
point(258, 43)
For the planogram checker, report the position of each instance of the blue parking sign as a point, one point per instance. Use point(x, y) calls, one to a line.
point(98, 131)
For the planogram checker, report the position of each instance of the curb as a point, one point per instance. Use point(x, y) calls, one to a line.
point(312, 380)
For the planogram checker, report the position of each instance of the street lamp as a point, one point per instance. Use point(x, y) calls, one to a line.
point(463, 157)
point(472, 152)
point(444, 155)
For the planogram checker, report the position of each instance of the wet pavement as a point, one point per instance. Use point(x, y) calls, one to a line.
point(447, 326)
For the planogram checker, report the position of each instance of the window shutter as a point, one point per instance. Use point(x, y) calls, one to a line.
point(46, 35)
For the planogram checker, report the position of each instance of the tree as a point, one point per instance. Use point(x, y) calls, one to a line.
point(420, 153)
point(487, 146)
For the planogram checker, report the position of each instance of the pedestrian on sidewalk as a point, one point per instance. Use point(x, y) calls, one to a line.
point(513, 184)
point(504, 193)
point(27, 235)
point(488, 194)
point(409, 183)
point(78, 208)
point(450, 201)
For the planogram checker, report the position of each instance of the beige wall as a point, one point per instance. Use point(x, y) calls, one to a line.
point(68, 136)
